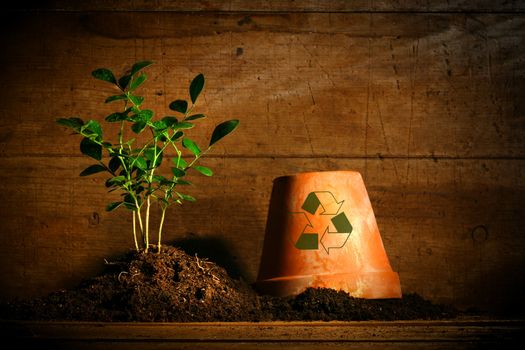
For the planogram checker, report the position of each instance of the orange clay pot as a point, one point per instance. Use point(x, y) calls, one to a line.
point(322, 232)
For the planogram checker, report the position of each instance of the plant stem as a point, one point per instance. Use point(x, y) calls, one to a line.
point(141, 151)
point(148, 202)
point(197, 158)
point(147, 223)
point(161, 225)
point(120, 135)
point(120, 140)
point(135, 232)
point(179, 153)
point(140, 219)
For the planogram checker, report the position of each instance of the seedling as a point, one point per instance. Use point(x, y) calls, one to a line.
point(133, 164)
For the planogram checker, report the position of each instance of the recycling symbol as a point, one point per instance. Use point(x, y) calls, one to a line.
point(329, 213)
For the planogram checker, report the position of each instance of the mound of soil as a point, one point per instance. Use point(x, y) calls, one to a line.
point(175, 287)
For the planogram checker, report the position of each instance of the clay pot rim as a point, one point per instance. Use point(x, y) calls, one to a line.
point(309, 173)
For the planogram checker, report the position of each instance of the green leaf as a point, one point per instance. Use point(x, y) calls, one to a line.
point(177, 136)
point(139, 189)
point(159, 178)
point(137, 82)
point(94, 127)
point(195, 117)
point(140, 65)
point(93, 169)
point(140, 173)
point(149, 153)
point(116, 117)
point(105, 75)
point(136, 100)
point(223, 129)
point(91, 148)
point(129, 202)
point(146, 114)
point(124, 81)
point(159, 125)
point(182, 164)
point(138, 127)
point(116, 181)
point(183, 182)
point(182, 125)
point(112, 206)
point(73, 123)
point(178, 172)
point(191, 146)
point(196, 87)
point(169, 121)
point(114, 164)
point(142, 116)
point(115, 98)
point(186, 197)
point(160, 156)
point(179, 106)
point(140, 163)
point(203, 170)
point(161, 136)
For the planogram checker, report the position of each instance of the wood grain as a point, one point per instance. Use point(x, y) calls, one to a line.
point(341, 85)
point(452, 229)
point(466, 334)
point(272, 6)
point(427, 106)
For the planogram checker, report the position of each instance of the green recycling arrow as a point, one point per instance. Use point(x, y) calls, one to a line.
point(329, 206)
point(337, 239)
point(323, 199)
point(307, 240)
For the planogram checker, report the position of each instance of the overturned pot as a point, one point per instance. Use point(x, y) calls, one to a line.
point(321, 232)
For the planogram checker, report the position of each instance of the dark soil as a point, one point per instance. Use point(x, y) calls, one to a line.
point(176, 287)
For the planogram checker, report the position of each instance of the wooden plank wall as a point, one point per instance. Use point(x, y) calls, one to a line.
point(426, 101)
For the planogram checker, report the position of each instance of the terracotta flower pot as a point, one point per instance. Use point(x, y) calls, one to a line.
point(322, 232)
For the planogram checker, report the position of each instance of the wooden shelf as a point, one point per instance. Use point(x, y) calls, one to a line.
point(449, 334)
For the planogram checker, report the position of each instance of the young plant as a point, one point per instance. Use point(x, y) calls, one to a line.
point(133, 166)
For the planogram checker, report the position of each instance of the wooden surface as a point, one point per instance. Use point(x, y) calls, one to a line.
point(427, 106)
point(274, 5)
point(466, 334)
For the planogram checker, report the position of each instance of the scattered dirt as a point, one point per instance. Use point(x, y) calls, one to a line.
point(176, 287)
